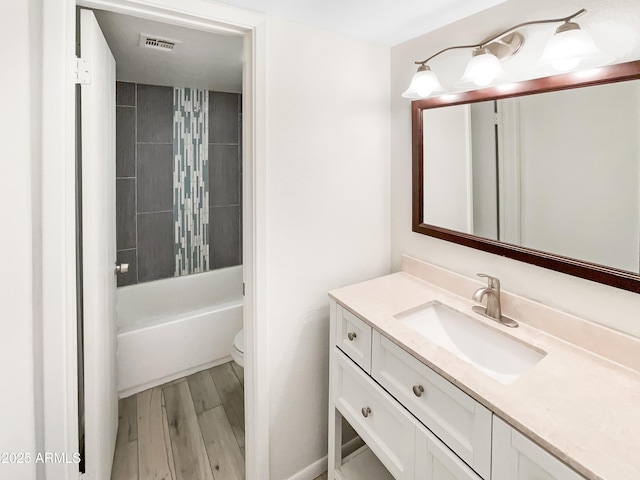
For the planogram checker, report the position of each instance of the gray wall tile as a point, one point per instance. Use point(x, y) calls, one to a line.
point(126, 94)
point(125, 142)
point(146, 240)
point(155, 114)
point(224, 237)
point(125, 213)
point(224, 109)
point(131, 277)
point(155, 246)
point(224, 175)
point(155, 177)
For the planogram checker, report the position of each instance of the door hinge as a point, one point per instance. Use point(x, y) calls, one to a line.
point(84, 476)
point(83, 72)
point(243, 294)
point(497, 118)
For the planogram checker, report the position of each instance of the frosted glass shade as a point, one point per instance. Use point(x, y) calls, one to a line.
point(568, 48)
point(483, 69)
point(423, 84)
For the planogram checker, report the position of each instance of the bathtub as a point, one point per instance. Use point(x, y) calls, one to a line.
point(174, 327)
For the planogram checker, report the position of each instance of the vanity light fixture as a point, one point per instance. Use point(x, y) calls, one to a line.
point(569, 46)
point(423, 84)
point(483, 68)
point(565, 51)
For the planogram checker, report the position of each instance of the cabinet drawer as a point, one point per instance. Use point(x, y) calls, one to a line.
point(353, 337)
point(385, 426)
point(434, 460)
point(515, 457)
point(456, 418)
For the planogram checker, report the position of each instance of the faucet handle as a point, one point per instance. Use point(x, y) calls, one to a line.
point(493, 282)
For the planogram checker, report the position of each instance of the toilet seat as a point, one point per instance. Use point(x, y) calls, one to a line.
point(237, 349)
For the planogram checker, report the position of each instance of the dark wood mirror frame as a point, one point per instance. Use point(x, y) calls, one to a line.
point(591, 271)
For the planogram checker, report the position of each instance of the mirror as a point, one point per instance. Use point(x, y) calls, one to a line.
point(545, 171)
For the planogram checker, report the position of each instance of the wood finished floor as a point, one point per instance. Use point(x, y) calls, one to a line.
point(188, 429)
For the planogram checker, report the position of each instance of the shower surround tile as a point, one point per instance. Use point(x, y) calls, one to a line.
point(126, 94)
point(155, 113)
point(155, 177)
point(225, 109)
point(178, 156)
point(226, 240)
point(155, 246)
point(125, 213)
point(224, 178)
point(191, 180)
point(125, 142)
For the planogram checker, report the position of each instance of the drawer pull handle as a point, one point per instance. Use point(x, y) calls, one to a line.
point(351, 336)
point(365, 411)
point(418, 390)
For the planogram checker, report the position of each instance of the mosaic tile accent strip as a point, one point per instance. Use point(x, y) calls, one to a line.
point(191, 180)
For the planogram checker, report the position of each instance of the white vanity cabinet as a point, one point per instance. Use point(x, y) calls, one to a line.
point(417, 424)
point(515, 457)
point(456, 418)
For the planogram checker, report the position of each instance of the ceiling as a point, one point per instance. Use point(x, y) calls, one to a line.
point(214, 61)
point(388, 22)
point(201, 60)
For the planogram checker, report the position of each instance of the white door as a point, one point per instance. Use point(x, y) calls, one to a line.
point(99, 248)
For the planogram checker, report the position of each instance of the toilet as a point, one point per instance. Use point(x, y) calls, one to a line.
point(237, 350)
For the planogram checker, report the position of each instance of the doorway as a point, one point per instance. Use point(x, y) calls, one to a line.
point(247, 240)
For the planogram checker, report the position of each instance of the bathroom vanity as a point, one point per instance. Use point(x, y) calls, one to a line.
point(467, 397)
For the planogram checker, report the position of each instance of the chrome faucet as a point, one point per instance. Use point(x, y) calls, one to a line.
point(494, 309)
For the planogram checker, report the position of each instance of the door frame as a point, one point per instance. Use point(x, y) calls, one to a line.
point(60, 405)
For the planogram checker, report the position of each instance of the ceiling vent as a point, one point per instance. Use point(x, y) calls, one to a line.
point(157, 43)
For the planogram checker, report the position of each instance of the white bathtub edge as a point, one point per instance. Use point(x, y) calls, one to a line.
point(151, 356)
point(160, 321)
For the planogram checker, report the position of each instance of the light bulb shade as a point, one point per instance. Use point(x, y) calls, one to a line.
point(423, 84)
point(483, 69)
point(569, 47)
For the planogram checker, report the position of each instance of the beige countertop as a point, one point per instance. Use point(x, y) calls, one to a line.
point(582, 407)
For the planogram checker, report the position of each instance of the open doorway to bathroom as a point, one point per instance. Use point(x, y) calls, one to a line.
point(179, 236)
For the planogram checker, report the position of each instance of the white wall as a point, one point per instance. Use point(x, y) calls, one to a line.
point(327, 217)
point(19, 292)
point(327, 214)
point(596, 302)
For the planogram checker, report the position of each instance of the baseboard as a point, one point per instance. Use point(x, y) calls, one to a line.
point(170, 378)
point(314, 470)
point(351, 446)
point(318, 467)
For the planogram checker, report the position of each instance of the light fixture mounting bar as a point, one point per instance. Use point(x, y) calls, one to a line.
point(506, 32)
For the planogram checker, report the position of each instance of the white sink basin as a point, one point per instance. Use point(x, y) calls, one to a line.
point(495, 354)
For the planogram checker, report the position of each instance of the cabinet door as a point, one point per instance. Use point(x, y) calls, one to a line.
point(515, 457)
point(381, 422)
point(434, 460)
